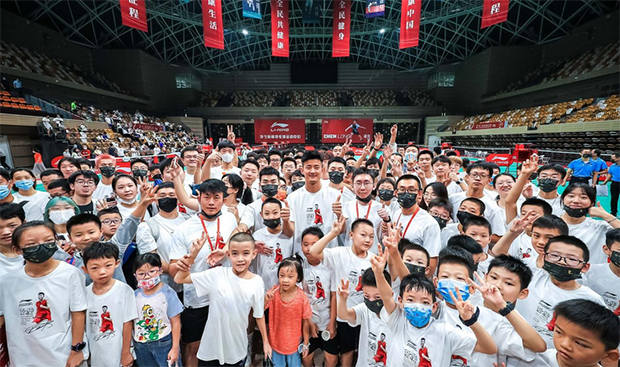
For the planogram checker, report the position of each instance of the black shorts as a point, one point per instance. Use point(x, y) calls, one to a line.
point(348, 337)
point(193, 322)
point(331, 346)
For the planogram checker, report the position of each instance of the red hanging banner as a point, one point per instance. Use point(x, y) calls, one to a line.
point(133, 14)
point(279, 28)
point(410, 23)
point(341, 44)
point(212, 23)
point(493, 12)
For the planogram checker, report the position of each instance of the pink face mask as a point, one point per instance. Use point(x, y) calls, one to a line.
point(148, 284)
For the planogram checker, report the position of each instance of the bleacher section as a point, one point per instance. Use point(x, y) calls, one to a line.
point(12, 104)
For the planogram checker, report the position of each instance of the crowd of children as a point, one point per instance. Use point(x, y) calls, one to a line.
point(307, 257)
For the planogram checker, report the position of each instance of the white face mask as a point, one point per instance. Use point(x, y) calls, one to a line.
point(61, 216)
point(126, 202)
point(227, 158)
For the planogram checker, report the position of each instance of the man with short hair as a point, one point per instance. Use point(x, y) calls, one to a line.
point(106, 164)
point(581, 169)
point(613, 175)
point(275, 159)
point(83, 184)
point(189, 157)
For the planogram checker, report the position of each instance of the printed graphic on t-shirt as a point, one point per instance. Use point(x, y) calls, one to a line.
point(411, 356)
point(100, 324)
point(378, 349)
point(612, 302)
point(278, 258)
point(150, 325)
point(543, 318)
point(425, 359)
point(35, 315)
point(318, 218)
point(355, 287)
point(315, 290)
point(526, 254)
point(458, 361)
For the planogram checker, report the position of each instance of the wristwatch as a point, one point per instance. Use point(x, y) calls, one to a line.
point(508, 309)
point(78, 347)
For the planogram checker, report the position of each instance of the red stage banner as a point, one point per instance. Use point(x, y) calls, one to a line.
point(273, 131)
point(493, 12)
point(337, 130)
point(213, 27)
point(410, 23)
point(279, 28)
point(342, 28)
point(488, 125)
point(133, 14)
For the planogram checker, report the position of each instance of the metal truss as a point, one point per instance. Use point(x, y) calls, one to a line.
point(449, 30)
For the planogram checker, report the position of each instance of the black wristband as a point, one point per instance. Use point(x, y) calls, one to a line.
point(506, 310)
point(473, 319)
point(388, 220)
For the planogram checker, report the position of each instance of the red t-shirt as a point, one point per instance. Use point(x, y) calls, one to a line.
point(285, 320)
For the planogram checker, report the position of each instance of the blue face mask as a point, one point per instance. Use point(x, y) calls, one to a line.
point(418, 314)
point(4, 191)
point(24, 184)
point(444, 286)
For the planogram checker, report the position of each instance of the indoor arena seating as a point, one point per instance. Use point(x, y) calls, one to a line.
point(12, 104)
point(21, 58)
point(602, 110)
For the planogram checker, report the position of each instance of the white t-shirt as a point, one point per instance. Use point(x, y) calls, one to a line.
point(33, 206)
point(346, 265)
point(189, 179)
point(312, 210)
point(37, 314)
point(605, 283)
point(318, 284)
point(10, 264)
point(556, 204)
point(491, 212)
point(537, 309)
point(217, 173)
point(182, 240)
point(251, 215)
point(522, 249)
point(353, 210)
point(592, 233)
point(375, 337)
point(441, 341)
point(240, 209)
point(453, 188)
point(104, 330)
point(102, 191)
point(154, 314)
point(422, 230)
point(451, 229)
point(267, 266)
point(225, 337)
point(126, 212)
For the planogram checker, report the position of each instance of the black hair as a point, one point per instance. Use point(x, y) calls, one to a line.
point(593, 317)
point(405, 245)
point(585, 188)
point(360, 221)
point(315, 231)
point(479, 165)
point(409, 177)
point(12, 210)
point(337, 160)
point(29, 171)
point(213, 186)
point(466, 243)
point(610, 237)
point(226, 144)
point(413, 282)
point(310, 155)
point(293, 262)
point(451, 153)
point(86, 174)
point(439, 189)
point(5, 174)
point(477, 221)
point(252, 162)
point(458, 256)
point(388, 180)
point(297, 173)
point(121, 176)
point(164, 185)
point(442, 159)
point(49, 172)
point(274, 152)
point(100, 250)
point(572, 241)
point(545, 206)
point(19, 231)
point(515, 266)
point(478, 202)
point(270, 201)
point(503, 174)
point(551, 222)
point(190, 148)
point(555, 167)
point(268, 171)
point(106, 211)
point(70, 160)
point(426, 152)
point(86, 162)
point(441, 203)
point(261, 156)
point(241, 237)
point(137, 160)
point(289, 159)
point(150, 258)
point(361, 171)
point(60, 182)
point(168, 162)
point(153, 167)
point(373, 160)
point(82, 219)
point(235, 182)
point(369, 279)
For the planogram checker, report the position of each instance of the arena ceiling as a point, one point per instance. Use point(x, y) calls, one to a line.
point(449, 30)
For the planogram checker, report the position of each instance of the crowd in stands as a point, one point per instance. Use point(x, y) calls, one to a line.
point(21, 58)
point(317, 98)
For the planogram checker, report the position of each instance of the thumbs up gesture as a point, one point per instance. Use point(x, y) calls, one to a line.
point(285, 213)
point(383, 213)
point(337, 207)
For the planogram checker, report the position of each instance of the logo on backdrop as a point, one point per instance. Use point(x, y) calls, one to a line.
point(279, 126)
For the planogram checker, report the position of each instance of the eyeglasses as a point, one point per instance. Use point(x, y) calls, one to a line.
point(151, 273)
point(556, 258)
point(479, 175)
point(410, 191)
point(429, 195)
point(111, 221)
point(362, 183)
point(85, 183)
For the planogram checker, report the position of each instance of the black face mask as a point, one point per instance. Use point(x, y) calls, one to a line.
point(415, 269)
point(464, 216)
point(365, 200)
point(442, 222)
point(575, 213)
point(407, 200)
point(336, 177)
point(587, 155)
point(167, 204)
point(157, 177)
point(269, 190)
point(40, 253)
point(615, 258)
point(561, 273)
point(272, 223)
point(211, 217)
point(374, 306)
point(386, 195)
point(373, 172)
point(139, 173)
point(298, 185)
point(107, 171)
point(547, 184)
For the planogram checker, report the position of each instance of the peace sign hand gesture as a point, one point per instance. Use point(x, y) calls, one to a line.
point(489, 292)
point(231, 133)
point(197, 245)
point(465, 308)
point(343, 289)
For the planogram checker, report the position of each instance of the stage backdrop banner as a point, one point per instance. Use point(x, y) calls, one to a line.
point(212, 23)
point(279, 28)
point(277, 131)
point(133, 14)
point(341, 43)
point(410, 23)
point(375, 8)
point(493, 12)
point(251, 9)
point(337, 130)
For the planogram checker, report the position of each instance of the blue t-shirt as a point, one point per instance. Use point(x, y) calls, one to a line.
point(614, 171)
point(599, 165)
point(581, 168)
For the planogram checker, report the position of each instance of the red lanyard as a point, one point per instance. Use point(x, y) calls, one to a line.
point(217, 237)
point(357, 209)
point(410, 220)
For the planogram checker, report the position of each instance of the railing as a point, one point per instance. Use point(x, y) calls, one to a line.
point(50, 107)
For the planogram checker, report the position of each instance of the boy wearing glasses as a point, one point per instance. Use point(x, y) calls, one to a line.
point(564, 260)
point(83, 184)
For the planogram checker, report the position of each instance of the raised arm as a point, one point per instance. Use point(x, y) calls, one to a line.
point(317, 249)
point(528, 167)
point(347, 314)
point(183, 276)
point(385, 289)
point(516, 228)
point(467, 313)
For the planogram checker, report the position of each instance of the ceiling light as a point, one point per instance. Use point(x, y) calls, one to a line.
point(245, 32)
point(382, 30)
